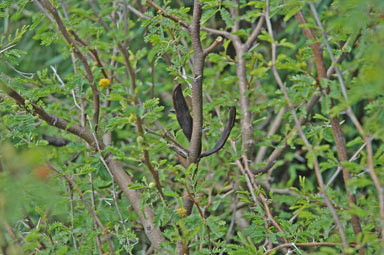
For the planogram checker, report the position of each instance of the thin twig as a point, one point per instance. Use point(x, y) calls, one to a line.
point(69, 187)
point(272, 159)
point(249, 178)
point(335, 125)
point(165, 14)
point(139, 121)
point(98, 239)
point(301, 132)
point(338, 170)
point(92, 52)
point(301, 244)
point(114, 192)
point(263, 199)
point(352, 116)
point(70, 41)
point(46, 14)
point(178, 148)
point(137, 12)
point(7, 48)
point(51, 119)
point(91, 210)
point(331, 69)
point(255, 33)
point(272, 130)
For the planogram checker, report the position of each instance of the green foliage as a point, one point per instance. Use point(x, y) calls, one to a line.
point(144, 58)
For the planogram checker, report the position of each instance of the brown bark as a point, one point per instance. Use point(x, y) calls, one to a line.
point(248, 141)
point(145, 214)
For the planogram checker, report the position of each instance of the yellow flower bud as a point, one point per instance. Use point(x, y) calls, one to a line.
point(182, 212)
point(104, 83)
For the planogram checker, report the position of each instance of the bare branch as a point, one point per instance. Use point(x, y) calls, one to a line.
point(213, 46)
point(255, 33)
point(217, 32)
point(197, 102)
point(137, 12)
point(235, 16)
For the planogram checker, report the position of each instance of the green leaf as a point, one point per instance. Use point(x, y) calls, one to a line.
point(207, 14)
point(151, 103)
point(136, 186)
point(292, 12)
point(226, 16)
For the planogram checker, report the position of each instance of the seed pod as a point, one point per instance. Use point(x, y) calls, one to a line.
point(224, 136)
point(183, 114)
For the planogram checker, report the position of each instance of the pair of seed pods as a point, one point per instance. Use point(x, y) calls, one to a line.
point(185, 120)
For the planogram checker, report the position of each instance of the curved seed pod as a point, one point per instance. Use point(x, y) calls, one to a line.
point(182, 111)
point(224, 136)
point(55, 141)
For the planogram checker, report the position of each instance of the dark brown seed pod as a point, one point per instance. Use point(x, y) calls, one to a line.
point(55, 141)
point(183, 114)
point(224, 136)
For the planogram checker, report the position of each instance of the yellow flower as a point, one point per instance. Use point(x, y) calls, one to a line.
point(182, 212)
point(104, 83)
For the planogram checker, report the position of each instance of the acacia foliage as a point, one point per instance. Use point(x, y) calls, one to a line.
point(144, 52)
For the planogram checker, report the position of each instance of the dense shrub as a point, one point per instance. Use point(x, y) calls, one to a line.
point(271, 144)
